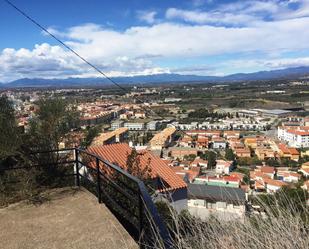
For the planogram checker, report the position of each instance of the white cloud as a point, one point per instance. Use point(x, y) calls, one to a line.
point(268, 64)
point(242, 13)
point(147, 16)
point(142, 49)
point(208, 17)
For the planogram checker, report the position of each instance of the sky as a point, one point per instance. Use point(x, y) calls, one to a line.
point(135, 37)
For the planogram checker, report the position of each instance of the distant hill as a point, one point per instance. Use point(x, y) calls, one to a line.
point(289, 73)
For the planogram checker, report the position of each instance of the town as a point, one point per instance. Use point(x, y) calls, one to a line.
point(221, 158)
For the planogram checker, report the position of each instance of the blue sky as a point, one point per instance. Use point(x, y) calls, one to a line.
point(204, 37)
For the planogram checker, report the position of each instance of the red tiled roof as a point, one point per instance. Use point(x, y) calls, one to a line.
point(117, 154)
point(267, 169)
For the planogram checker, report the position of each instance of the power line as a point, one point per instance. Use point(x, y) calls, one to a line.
point(63, 44)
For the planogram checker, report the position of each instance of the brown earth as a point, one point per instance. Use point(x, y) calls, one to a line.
point(70, 218)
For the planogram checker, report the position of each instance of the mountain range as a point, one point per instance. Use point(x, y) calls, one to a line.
point(288, 73)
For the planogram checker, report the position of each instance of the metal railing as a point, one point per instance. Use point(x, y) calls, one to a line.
point(125, 195)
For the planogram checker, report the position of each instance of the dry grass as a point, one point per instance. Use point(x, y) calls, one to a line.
point(280, 228)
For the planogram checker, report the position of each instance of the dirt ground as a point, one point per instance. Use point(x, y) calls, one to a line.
point(71, 218)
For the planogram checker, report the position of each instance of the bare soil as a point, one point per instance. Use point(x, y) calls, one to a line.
point(69, 218)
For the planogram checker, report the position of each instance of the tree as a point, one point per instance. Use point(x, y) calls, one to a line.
point(211, 158)
point(9, 134)
point(272, 162)
point(91, 134)
point(51, 126)
point(135, 168)
point(229, 155)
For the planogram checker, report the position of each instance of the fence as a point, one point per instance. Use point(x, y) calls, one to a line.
point(125, 195)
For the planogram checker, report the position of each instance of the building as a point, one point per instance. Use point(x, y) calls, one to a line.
point(199, 162)
point(153, 125)
point(135, 126)
point(170, 100)
point(288, 152)
point(117, 124)
point(222, 202)
point(231, 134)
point(202, 142)
point(242, 152)
point(295, 136)
point(224, 167)
point(304, 169)
point(223, 181)
point(266, 170)
point(287, 176)
point(162, 139)
point(186, 141)
point(188, 174)
point(181, 152)
point(119, 135)
point(265, 153)
point(218, 143)
point(168, 185)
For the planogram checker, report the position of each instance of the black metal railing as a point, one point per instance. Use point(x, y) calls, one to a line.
point(125, 195)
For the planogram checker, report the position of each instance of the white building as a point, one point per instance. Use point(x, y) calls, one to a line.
point(224, 167)
point(117, 124)
point(222, 202)
point(153, 125)
point(295, 136)
point(134, 126)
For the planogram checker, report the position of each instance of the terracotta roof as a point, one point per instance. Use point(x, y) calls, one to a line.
point(224, 163)
point(198, 161)
point(275, 182)
point(160, 138)
point(192, 172)
point(239, 175)
point(117, 154)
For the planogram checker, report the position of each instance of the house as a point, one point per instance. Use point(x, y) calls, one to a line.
point(188, 174)
point(223, 181)
point(304, 169)
point(273, 186)
point(186, 141)
point(224, 203)
point(306, 186)
point(265, 153)
point(205, 133)
point(288, 176)
point(238, 175)
point(162, 139)
point(254, 142)
point(199, 162)
point(224, 167)
point(288, 152)
point(218, 143)
point(166, 182)
point(181, 152)
point(202, 142)
point(266, 170)
point(231, 134)
point(242, 152)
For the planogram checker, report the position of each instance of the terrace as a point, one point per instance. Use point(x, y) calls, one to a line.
point(123, 212)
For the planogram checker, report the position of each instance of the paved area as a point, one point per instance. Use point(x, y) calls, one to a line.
point(71, 218)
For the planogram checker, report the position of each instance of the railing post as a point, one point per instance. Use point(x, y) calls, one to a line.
point(141, 215)
point(98, 180)
point(76, 168)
